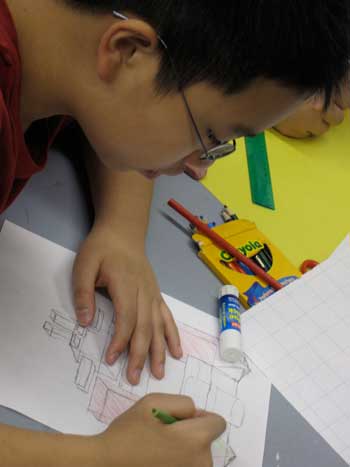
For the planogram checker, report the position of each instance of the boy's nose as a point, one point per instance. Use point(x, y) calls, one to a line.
point(196, 168)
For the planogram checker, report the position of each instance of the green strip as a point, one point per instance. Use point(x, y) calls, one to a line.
point(259, 171)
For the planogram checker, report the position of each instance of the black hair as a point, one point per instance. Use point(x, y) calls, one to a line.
point(302, 44)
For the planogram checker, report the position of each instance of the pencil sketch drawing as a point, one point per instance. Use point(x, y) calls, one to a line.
point(199, 374)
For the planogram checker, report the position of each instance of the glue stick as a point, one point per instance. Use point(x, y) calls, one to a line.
point(230, 324)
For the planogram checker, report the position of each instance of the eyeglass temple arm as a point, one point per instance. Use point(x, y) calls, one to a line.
point(117, 14)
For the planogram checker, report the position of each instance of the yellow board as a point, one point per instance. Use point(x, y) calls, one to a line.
point(311, 184)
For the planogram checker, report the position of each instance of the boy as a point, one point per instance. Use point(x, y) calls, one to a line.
point(148, 83)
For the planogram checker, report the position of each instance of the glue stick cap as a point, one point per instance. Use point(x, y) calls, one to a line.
point(228, 290)
point(231, 346)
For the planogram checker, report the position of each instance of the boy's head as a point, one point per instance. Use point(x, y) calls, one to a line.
point(244, 65)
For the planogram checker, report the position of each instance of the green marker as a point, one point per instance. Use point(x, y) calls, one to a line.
point(164, 417)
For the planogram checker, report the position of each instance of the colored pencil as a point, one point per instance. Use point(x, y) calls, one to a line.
point(164, 417)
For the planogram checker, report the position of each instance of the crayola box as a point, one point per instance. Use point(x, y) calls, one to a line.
point(245, 236)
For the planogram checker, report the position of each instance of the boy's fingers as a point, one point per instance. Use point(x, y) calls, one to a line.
point(125, 311)
point(158, 345)
point(117, 345)
point(317, 102)
point(334, 116)
point(84, 277)
point(140, 341)
point(207, 426)
point(171, 332)
point(180, 407)
point(342, 98)
point(319, 127)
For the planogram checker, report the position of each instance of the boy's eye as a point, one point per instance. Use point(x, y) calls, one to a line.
point(213, 138)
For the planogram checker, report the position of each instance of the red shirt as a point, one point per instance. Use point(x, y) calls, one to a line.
point(18, 160)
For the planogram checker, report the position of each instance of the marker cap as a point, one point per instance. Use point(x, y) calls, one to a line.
point(230, 346)
point(228, 290)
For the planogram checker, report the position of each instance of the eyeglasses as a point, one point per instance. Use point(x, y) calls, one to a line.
point(221, 148)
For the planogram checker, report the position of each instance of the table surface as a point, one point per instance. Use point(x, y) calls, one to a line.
point(54, 205)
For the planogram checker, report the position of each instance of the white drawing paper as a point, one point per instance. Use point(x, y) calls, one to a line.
point(54, 371)
point(300, 338)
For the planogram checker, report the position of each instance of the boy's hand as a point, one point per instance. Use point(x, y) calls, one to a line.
point(143, 320)
point(137, 439)
point(311, 119)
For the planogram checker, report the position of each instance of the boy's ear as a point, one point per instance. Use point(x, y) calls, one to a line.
point(119, 44)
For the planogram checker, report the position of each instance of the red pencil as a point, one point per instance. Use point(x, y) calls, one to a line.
point(222, 243)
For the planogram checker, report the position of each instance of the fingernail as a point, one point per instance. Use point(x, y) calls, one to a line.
point(179, 351)
point(161, 370)
point(83, 315)
point(112, 357)
point(136, 375)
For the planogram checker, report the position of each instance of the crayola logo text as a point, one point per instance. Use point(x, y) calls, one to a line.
point(249, 247)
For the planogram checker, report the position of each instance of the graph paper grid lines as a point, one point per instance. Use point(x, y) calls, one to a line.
point(300, 338)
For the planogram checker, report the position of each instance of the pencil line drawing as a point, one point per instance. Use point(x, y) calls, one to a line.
point(199, 374)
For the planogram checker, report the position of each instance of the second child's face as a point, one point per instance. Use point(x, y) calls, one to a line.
point(139, 130)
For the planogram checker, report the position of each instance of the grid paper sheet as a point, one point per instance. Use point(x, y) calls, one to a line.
point(300, 338)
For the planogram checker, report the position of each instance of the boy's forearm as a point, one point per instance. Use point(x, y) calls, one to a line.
point(21, 448)
point(122, 200)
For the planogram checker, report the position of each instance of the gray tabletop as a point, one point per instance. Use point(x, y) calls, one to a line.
point(55, 206)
